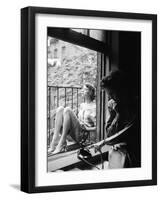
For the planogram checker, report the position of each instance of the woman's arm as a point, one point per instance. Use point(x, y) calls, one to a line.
point(89, 128)
point(90, 121)
point(80, 113)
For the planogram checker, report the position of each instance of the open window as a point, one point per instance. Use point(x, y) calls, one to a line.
point(76, 56)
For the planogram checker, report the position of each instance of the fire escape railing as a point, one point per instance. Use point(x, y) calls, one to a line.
point(62, 96)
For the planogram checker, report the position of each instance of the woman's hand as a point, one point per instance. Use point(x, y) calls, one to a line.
point(98, 146)
point(83, 126)
point(87, 128)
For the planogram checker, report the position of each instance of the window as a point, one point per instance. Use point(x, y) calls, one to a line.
point(88, 57)
point(65, 81)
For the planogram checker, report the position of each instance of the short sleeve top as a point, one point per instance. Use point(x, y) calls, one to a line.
point(87, 114)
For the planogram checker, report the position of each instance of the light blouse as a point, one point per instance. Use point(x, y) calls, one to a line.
point(87, 114)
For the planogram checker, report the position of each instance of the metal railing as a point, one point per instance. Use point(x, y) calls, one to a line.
point(62, 96)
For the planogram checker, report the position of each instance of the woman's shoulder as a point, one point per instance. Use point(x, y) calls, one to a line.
point(85, 105)
point(90, 105)
point(93, 104)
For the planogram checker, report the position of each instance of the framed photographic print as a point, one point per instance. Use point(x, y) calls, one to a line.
point(88, 99)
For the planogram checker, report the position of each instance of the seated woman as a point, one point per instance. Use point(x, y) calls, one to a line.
point(66, 121)
point(124, 117)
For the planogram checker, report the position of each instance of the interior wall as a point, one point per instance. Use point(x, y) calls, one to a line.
point(114, 45)
point(130, 57)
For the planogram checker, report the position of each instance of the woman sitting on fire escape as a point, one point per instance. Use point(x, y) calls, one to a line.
point(66, 121)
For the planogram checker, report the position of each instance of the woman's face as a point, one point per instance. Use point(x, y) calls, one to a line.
point(85, 91)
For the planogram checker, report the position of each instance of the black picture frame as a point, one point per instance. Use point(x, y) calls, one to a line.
point(28, 92)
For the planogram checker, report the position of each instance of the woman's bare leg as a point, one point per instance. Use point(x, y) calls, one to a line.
point(68, 119)
point(58, 127)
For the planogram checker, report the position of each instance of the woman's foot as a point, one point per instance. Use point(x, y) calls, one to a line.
point(60, 149)
point(50, 150)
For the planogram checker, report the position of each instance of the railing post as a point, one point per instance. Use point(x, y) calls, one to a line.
point(72, 98)
point(49, 111)
point(77, 101)
point(57, 97)
point(53, 102)
point(65, 96)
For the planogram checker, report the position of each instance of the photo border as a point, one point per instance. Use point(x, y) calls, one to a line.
point(28, 98)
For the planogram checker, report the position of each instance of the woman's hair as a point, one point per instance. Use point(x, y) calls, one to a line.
point(119, 85)
point(113, 81)
point(91, 89)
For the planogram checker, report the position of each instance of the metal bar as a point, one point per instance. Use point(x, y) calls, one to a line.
point(54, 102)
point(77, 102)
point(99, 99)
point(102, 99)
point(61, 86)
point(57, 97)
point(49, 111)
point(72, 98)
point(65, 96)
